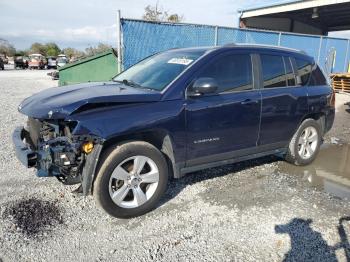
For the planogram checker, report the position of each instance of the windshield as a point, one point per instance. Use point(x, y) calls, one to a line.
point(34, 57)
point(157, 71)
point(62, 60)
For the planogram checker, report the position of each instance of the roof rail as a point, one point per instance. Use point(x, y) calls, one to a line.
point(264, 46)
point(229, 44)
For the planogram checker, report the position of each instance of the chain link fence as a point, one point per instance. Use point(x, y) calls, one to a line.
point(143, 38)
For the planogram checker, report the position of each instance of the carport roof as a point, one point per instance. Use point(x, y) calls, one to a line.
point(329, 15)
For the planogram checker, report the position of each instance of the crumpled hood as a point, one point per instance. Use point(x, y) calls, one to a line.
point(60, 102)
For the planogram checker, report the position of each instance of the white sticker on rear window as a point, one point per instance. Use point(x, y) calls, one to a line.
point(180, 61)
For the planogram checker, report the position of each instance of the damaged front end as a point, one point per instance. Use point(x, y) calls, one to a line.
point(54, 151)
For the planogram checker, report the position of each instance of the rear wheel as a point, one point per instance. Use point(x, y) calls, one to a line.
point(305, 144)
point(131, 180)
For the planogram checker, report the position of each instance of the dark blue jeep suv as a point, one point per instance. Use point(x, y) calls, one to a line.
point(173, 113)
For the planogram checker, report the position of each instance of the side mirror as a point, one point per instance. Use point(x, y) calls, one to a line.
point(202, 86)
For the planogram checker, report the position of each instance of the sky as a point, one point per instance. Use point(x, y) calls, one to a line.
point(83, 23)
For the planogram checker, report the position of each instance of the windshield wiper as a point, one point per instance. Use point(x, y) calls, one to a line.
point(133, 84)
point(128, 82)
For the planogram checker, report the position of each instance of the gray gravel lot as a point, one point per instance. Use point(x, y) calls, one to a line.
point(245, 212)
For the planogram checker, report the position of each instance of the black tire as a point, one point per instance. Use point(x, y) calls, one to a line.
point(293, 155)
point(110, 159)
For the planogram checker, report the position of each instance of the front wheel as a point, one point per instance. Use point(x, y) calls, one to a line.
point(305, 144)
point(131, 179)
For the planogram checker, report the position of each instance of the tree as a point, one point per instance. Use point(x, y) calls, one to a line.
point(157, 14)
point(73, 53)
point(48, 49)
point(20, 53)
point(6, 48)
point(38, 48)
point(98, 49)
point(152, 13)
point(175, 18)
point(52, 49)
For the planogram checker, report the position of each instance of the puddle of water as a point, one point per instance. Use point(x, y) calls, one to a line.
point(329, 172)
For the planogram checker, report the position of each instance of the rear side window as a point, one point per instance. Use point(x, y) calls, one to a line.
point(304, 70)
point(273, 71)
point(317, 77)
point(289, 71)
point(232, 72)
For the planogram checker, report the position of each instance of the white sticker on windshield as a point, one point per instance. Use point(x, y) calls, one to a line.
point(180, 61)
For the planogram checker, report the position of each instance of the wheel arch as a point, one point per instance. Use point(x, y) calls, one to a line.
point(159, 138)
point(320, 117)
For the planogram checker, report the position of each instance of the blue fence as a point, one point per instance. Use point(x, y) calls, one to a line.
point(142, 38)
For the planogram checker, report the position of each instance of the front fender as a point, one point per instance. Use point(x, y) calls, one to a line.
point(89, 169)
point(111, 122)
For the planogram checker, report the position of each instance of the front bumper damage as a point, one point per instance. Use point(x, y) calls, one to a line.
point(23, 152)
point(59, 157)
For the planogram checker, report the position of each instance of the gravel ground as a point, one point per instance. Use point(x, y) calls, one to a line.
point(244, 212)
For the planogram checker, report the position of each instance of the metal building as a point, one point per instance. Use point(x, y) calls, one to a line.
point(317, 17)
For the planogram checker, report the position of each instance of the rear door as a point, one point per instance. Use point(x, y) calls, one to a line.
point(284, 101)
point(228, 121)
point(320, 93)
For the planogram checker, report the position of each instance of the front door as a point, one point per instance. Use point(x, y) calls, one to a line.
point(220, 125)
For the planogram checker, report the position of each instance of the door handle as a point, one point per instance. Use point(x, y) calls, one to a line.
point(249, 102)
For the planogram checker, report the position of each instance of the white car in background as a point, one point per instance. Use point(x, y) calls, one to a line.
point(62, 60)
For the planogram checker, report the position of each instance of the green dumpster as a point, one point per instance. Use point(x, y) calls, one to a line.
point(100, 67)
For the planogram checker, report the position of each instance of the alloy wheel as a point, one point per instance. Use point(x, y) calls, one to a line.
point(134, 181)
point(308, 142)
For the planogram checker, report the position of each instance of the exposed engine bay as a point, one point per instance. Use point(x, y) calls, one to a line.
point(57, 152)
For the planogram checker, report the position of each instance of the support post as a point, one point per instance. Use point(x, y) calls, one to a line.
point(119, 42)
point(279, 39)
point(319, 50)
point(216, 36)
point(346, 57)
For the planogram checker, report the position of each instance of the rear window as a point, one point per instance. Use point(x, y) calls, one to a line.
point(304, 70)
point(317, 77)
point(273, 70)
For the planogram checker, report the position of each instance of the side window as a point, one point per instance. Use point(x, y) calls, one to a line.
point(317, 77)
point(304, 70)
point(232, 72)
point(273, 71)
point(289, 72)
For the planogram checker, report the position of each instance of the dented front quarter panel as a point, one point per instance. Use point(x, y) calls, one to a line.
point(121, 121)
point(111, 122)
